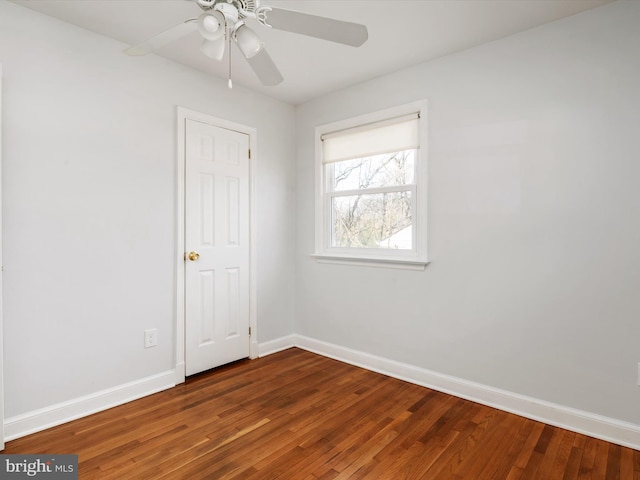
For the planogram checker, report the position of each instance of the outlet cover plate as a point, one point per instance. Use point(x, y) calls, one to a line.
point(150, 338)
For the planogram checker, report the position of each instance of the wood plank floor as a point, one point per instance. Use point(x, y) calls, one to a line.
point(295, 415)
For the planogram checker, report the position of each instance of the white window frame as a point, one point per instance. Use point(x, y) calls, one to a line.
point(415, 259)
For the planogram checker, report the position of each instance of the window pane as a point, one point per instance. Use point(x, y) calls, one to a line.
point(385, 170)
point(381, 220)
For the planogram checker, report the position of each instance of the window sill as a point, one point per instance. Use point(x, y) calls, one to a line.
point(399, 263)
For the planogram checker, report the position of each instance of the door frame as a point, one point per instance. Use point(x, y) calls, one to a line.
point(184, 114)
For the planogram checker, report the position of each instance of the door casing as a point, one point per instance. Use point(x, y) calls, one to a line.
point(182, 115)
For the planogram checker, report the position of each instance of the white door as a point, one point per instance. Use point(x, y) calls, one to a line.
point(217, 246)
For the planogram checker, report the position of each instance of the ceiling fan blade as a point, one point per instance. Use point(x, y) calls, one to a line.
point(337, 31)
point(265, 69)
point(164, 38)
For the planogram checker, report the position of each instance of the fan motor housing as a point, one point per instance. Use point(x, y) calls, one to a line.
point(242, 6)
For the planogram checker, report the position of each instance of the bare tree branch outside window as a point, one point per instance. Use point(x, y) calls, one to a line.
point(372, 202)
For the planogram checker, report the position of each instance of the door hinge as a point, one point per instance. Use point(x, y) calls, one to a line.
point(249, 154)
point(249, 331)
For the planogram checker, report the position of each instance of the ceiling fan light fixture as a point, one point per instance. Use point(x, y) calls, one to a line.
point(213, 49)
point(211, 25)
point(248, 42)
point(223, 21)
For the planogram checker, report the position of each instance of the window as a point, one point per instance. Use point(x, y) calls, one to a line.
point(371, 192)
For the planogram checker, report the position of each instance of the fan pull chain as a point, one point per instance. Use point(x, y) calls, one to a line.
point(230, 83)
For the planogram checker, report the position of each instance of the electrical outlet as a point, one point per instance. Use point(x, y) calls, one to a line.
point(150, 338)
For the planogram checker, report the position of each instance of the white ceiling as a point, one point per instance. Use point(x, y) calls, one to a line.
point(401, 33)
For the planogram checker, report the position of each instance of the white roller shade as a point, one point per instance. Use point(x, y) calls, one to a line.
point(393, 135)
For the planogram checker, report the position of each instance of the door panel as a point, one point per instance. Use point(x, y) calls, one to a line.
point(217, 228)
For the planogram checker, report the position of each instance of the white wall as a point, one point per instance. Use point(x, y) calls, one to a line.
point(1, 275)
point(533, 219)
point(89, 163)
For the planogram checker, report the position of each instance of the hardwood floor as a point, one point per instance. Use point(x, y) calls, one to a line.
point(295, 415)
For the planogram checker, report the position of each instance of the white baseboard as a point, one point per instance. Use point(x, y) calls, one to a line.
point(37, 420)
point(277, 345)
point(598, 426)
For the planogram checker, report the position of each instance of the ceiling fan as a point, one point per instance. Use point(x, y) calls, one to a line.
point(223, 21)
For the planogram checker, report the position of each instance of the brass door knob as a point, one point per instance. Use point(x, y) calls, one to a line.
point(193, 256)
